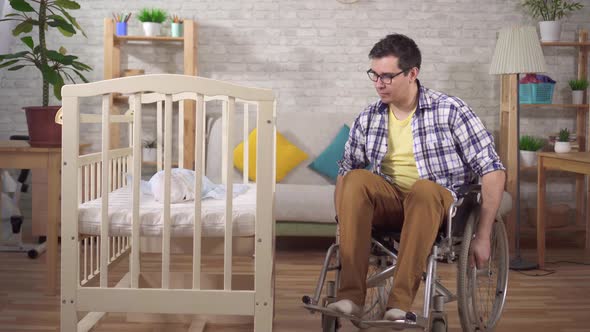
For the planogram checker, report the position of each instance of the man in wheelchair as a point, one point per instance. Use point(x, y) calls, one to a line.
point(422, 145)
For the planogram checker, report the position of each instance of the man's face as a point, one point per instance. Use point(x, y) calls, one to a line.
point(386, 68)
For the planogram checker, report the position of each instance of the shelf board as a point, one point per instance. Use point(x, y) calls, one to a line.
point(572, 106)
point(148, 38)
point(566, 43)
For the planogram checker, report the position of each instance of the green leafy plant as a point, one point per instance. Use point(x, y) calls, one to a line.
point(530, 143)
point(564, 135)
point(152, 15)
point(550, 10)
point(581, 84)
point(54, 65)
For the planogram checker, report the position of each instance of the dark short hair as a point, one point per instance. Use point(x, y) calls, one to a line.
point(400, 46)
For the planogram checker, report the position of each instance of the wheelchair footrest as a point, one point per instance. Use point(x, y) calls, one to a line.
point(420, 322)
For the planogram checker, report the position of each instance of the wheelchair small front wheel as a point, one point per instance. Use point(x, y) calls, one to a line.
point(482, 292)
point(438, 325)
point(330, 323)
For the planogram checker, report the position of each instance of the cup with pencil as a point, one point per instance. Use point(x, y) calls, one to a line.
point(121, 23)
point(176, 26)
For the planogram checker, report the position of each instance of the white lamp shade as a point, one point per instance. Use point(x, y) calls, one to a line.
point(518, 50)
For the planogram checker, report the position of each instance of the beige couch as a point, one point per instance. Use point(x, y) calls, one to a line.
point(303, 195)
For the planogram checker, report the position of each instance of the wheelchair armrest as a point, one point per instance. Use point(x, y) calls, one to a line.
point(469, 188)
point(19, 138)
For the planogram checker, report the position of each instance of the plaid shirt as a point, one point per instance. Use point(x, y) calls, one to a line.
point(451, 145)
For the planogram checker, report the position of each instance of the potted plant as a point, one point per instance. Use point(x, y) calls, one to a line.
point(550, 11)
point(149, 150)
point(54, 65)
point(578, 89)
point(176, 26)
point(152, 20)
point(529, 146)
point(563, 141)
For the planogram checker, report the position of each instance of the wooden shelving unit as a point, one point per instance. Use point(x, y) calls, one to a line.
point(508, 147)
point(112, 69)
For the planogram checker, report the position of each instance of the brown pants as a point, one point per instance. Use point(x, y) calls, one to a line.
point(369, 200)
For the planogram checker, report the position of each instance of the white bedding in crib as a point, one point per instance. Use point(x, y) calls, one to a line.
point(182, 215)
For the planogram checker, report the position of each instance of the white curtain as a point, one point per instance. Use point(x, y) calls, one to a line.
point(6, 39)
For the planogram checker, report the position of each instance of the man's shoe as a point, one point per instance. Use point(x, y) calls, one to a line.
point(394, 314)
point(346, 307)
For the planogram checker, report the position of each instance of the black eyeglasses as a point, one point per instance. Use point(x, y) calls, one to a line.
point(386, 78)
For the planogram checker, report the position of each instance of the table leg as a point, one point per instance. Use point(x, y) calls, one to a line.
point(53, 206)
point(541, 213)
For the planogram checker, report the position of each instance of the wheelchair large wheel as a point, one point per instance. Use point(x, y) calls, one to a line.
point(377, 294)
point(482, 292)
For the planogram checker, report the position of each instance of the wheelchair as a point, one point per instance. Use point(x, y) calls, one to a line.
point(480, 292)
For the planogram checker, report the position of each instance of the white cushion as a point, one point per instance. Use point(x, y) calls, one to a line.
point(314, 203)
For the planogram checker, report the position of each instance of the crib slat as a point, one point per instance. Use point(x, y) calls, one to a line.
point(246, 143)
point(80, 198)
point(119, 172)
point(199, 169)
point(228, 170)
point(87, 182)
point(181, 134)
point(160, 119)
point(84, 244)
point(167, 172)
point(93, 181)
point(224, 142)
point(106, 184)
point(137, 130)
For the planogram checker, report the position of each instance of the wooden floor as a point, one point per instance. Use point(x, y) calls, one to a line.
point(557, 302)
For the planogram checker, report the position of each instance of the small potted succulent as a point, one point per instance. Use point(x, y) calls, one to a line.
point(578, 89)
point(149, 150)
point(550, 12)
point(152, 19)
point(562, 145)
point(529, 146)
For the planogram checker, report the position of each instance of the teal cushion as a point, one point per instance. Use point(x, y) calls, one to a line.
point(326, 163)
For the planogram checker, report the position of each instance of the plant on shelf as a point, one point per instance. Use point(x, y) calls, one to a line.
point(550, 12)
point(55, 66)
point(563, 141)
point(152, 19)
point(176, 26)
point(529, 146)
point(149, 150)
point(578, 86)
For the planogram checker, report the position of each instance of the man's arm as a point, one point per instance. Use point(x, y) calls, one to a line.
point(492, 188)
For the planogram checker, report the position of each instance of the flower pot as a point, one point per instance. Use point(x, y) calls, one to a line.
point(550, 30)
point(577, 97)
point(151, 29)
point(149, 154)
point(176, 29)
point(563, 147)
point(43, 131)
point(528, 158)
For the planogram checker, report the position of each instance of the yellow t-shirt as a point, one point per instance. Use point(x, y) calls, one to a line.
point(399, 162)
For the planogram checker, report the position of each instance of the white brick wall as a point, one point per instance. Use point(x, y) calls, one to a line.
point(314, 53)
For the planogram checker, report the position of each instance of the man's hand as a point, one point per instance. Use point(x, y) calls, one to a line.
point(479, 252)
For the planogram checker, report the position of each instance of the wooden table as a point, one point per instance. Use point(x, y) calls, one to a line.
point(576, 162)
point(20, 155)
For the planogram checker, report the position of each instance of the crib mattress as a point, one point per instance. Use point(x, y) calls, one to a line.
point(181, 215)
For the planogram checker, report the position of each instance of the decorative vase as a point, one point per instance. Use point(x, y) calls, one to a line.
point(528, 158)
point(149, 154)
point(577, 97)
point(563, 147)
point(550, 31)
point(176, 29)
point(151, 29)
point(43, 131)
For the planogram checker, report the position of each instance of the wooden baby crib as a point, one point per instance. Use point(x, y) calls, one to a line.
point(88, 252)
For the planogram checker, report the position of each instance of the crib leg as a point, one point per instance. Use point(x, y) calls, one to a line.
point(68, 319)
point(263, 317)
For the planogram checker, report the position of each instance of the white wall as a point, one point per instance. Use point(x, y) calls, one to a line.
point(313, 54)
point(6, 39)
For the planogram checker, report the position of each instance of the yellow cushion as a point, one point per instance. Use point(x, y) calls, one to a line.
point(288, 156)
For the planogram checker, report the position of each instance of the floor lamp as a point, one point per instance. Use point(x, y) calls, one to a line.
point(518, 50)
